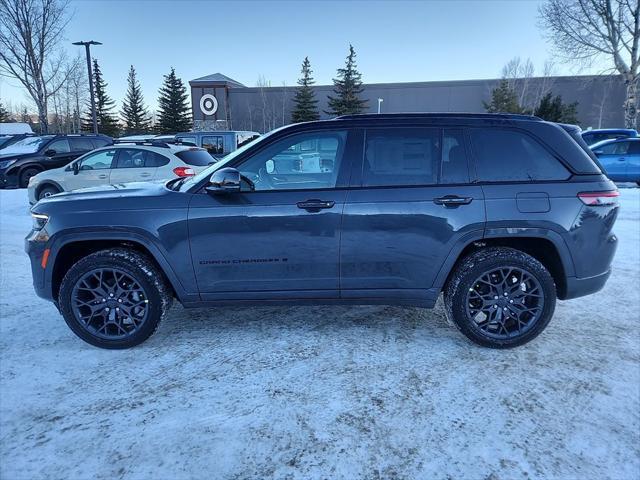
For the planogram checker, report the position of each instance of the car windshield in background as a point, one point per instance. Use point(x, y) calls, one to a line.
point(26, 145)
point(196, 157)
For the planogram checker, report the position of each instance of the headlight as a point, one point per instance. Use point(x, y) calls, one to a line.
point(39, 220)
point(6, 163)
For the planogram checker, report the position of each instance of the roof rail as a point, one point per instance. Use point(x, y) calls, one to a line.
point(146, 143)
point(497, 116)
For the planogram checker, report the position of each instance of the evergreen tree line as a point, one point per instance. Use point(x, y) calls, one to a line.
point(504, 99)
point(173, 115)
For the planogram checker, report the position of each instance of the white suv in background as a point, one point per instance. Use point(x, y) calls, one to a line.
point(120, 163)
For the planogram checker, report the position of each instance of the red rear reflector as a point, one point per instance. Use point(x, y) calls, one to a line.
point(184, 171)
point(45, 258)
point(599, 198)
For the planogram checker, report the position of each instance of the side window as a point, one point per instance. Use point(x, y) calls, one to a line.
point(504, 155)
point(60, 146)
point(454, 167)
point(98, 161)
point(131, 158)
point(80, 144)
point(303, 161)
point(100, 142)
point(634, 148)
point(214, 145)
point(401, 156)
point(153, 159)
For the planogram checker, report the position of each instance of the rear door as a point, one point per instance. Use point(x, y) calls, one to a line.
point(133, 165)
point(410, 205)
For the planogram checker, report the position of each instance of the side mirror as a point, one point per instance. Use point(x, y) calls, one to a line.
point(75, 166)
point(225, 180)
point(50, 153)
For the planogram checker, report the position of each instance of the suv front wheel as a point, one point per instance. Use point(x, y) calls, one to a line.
point(500, 297)
point(114, 298)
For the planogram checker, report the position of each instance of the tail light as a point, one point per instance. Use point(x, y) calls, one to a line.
point(597, 199)
point(184, 171)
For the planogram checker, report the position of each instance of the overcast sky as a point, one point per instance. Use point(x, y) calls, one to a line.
point(395, 41)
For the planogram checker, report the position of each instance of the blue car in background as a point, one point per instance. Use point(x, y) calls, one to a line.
point(592, 137)
point(620, 158)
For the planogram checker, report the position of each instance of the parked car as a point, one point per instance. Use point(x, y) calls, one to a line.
point(120, 163)
point(620, 158)
point(218, 142)
point(502, 213)
point(598, 135)
point(32, 155)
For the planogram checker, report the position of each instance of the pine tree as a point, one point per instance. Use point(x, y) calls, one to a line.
point(552, 109)
point(4, 114)
point(134, 114)
point(173, 106)
point(107, 122)
point(347, 87)
point(305, 104)
point(503, 100)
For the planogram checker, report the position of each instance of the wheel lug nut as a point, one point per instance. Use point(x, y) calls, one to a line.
point(104, 300)
point(505, 309)
point(119, 300)
point(495, 306)
point(111, 294)
point(495, 298)
point(505, 294)
point(510, 301)
point(106, 309)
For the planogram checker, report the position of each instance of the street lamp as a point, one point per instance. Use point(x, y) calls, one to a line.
point(380, 100)
point(87, 46)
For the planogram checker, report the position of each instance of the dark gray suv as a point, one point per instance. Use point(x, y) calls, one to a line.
point(502, 213)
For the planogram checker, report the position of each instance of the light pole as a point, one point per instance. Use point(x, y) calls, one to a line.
point(380, 100)
point(87, 47)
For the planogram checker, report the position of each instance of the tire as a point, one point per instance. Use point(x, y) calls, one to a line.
point(148, 304)
point(26, 174)
point(47, 191)
point(527, 307)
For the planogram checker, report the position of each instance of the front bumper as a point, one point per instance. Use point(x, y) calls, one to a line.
point(35, 245)
point(8, 180)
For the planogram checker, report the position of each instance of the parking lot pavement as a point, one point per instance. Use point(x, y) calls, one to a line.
point(320, 392)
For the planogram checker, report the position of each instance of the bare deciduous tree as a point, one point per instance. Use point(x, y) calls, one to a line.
point(30, 32)
point(587, 31)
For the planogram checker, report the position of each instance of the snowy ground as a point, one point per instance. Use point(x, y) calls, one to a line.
point(375, 392)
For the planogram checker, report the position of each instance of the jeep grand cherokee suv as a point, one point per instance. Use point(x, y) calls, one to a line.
point(502, 213)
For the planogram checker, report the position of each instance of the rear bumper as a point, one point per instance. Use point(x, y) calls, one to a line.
point(579, 287)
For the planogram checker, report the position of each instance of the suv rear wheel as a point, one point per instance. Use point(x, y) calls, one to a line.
point(500, 297)
point(114, 298)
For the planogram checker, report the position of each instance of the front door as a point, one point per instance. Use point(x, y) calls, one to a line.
point(405, 214)
point(93, 170)
point(613, 157)
point(282, 239)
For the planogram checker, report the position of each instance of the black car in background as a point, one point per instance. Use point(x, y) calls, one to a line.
point(31, 155)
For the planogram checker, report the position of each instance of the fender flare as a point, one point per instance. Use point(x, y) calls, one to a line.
point(505, 232)
point(156, 252)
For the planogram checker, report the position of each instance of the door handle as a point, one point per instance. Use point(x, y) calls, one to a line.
point(621, 159)
point(315, 205)
point(452, 201)
point(145, 174)
point(102, 176)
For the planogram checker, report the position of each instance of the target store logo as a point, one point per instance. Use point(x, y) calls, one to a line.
point(208, 104)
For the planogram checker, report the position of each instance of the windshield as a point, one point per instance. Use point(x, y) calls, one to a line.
point(26, 145)
point(225, 161)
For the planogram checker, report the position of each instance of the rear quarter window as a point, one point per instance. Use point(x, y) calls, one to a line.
point(196, 157)
point(506, 155)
